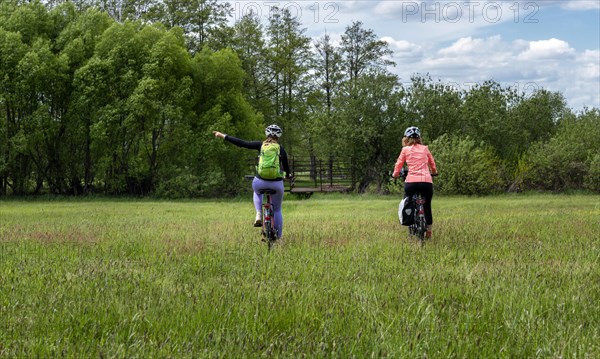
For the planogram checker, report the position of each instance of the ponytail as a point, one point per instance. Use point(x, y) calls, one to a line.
point(409, 141)
point(270, 139)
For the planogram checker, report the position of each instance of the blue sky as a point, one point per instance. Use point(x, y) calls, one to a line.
point(547, 44)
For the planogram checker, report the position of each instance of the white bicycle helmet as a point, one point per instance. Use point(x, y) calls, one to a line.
point(273, 131)
point(412, 132)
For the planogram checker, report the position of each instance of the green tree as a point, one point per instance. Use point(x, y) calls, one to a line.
point(30, 19)
point(249, 43)
point(77, 43)
point(485, 115)
point(119, 60)
point(362, 51)
point(36, 100)
point(326, 79)
point(366, 128)
point(89, 100)
point(221, 105)
point(161, 104)
point(199, 19)
point(13, 166)
point(432, 106)
point(46, 108)
point(288, 61)
point(534, 118)
point(327, 65)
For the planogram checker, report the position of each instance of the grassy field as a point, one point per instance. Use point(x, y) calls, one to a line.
point(508, 276)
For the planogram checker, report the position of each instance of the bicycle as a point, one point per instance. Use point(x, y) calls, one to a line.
point(418, 227)
point(269, 230)
point(268, 227)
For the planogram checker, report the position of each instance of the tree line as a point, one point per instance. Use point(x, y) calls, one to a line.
point(120, 98)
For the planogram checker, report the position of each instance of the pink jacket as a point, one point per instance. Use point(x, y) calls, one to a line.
point(420, 162)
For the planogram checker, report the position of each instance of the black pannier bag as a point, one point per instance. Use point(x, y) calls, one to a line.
point(406, 211)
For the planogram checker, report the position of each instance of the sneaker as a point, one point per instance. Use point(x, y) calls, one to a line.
point(258, 220)
point(428, 232)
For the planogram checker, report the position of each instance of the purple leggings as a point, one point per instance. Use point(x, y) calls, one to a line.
point(277, 198)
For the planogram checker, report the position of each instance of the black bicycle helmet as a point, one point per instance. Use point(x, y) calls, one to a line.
point(413, 132)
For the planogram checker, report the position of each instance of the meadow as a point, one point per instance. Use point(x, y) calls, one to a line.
point(505, 276)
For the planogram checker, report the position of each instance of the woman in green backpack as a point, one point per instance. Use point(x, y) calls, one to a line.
point(272, 168)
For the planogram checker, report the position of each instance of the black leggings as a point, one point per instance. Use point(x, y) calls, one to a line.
point(426, 190)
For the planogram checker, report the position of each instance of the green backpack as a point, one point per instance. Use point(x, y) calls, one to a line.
point(268, 162)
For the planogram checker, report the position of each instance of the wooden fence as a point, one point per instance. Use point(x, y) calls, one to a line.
point(312, 174)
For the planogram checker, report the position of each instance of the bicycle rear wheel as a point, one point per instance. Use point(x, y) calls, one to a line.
point(421, 228)
point(269, 230)
point(268, 233)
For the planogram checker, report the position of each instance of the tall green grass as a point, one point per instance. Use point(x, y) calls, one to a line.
point(502, 277)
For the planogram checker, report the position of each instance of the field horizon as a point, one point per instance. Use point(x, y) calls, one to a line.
point(503, 276)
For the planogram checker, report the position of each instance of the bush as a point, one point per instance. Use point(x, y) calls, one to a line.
point(592, 179)
point(187, 185)
point(465, 167)
point(182, 186)
point(553, 166)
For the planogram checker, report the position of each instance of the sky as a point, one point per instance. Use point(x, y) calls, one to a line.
point(527, 45)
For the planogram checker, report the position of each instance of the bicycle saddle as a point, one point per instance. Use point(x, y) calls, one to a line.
point(266, 191)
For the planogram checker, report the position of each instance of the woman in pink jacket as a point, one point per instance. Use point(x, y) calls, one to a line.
point(421, 166)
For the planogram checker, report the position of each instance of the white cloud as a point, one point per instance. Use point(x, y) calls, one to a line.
point(403, 48)
point(524, 65)
point(389, 7)
point(462, 46)
point(581, 5)
point(547, 49)
point(589, 66)
point(470, 45)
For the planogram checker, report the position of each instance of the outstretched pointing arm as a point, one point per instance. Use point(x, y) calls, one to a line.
point(253, 145)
